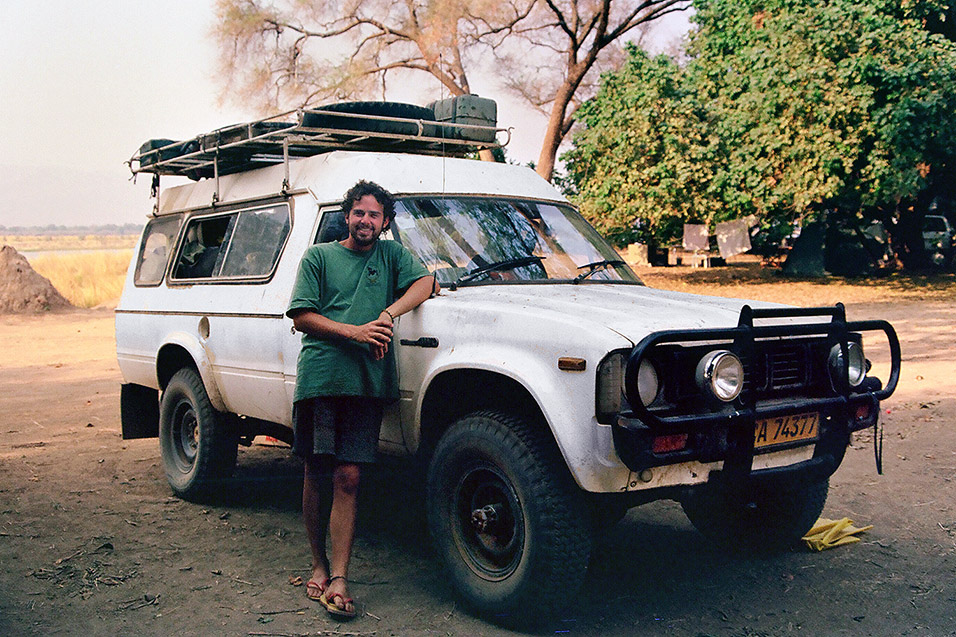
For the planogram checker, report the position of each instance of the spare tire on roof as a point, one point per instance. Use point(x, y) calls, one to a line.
point(331, 118)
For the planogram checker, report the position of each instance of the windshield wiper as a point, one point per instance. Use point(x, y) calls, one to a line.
point(594, 267)
point(506, 264)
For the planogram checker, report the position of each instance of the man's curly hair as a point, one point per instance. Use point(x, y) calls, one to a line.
point(363, 188)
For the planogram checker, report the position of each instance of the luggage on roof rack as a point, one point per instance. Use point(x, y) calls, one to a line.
point(468, 123)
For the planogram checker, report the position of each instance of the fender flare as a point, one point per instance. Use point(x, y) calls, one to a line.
point(516, 373)
point(200, 358)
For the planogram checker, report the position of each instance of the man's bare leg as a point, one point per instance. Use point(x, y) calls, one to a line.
point(316, 510)
point(345, 483)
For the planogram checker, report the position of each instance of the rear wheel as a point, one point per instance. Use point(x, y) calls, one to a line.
point(506, 517)
point(198, 447)
point(765, 519)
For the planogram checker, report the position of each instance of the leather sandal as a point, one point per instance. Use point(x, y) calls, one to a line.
point(329, 601)
point(315, 590)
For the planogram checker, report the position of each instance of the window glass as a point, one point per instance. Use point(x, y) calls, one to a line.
point(455, 236)
point(257, 240)
point(202, 251)
point(934, 224)
point(332, 227)
point(158, 238)
point(239, 244)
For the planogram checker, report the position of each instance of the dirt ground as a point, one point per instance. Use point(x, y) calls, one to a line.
point(92, 541)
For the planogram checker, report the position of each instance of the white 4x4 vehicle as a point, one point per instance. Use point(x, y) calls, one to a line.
point(546, 389)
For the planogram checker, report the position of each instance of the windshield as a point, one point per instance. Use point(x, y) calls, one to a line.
point(458, 237)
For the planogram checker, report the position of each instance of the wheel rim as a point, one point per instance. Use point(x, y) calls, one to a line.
point(185, 436)
point(488, 524)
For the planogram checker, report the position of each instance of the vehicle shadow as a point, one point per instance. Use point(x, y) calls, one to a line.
point(266, 477)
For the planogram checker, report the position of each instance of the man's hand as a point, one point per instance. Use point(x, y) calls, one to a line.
point(377, 333)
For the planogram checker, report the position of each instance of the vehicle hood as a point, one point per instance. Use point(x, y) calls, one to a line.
point(633, 311)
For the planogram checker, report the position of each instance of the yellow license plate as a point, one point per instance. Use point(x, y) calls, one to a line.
point(783, 429)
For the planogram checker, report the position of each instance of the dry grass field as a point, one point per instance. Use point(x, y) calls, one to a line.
point(86, 269)
point(86, 279)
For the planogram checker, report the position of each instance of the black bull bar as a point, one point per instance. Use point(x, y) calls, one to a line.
point(634, 430)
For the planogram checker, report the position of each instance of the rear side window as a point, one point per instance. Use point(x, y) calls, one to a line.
point(237, 245)
point(158, 239)
point(256, 241)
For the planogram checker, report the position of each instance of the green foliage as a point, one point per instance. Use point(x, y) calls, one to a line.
point(641, 154)
point(785, 108)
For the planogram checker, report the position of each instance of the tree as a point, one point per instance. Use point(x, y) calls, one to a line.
point(548, 51)
point(799, 107)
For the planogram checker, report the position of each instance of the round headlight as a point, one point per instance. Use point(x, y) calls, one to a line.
point(857, 363)
point(647, 382)
point(721, 374)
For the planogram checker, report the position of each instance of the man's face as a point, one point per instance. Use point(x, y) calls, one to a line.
point(366, 221)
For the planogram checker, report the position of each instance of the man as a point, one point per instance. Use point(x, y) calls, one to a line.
point(344, 302)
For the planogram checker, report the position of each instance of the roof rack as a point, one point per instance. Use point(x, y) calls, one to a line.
point(312, 131)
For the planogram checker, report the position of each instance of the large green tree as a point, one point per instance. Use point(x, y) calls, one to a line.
point(785, 108)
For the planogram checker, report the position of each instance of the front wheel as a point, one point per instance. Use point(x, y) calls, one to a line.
point(506, 518)
point(198, 448)
point(764, 519)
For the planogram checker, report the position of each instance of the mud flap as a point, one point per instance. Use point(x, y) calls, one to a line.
point(139, 411)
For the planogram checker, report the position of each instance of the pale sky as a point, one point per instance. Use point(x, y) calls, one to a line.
point(83, 84)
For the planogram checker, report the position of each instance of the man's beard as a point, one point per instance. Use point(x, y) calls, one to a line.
point(364, 242)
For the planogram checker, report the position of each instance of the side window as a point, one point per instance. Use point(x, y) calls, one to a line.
point(158, 238)
point(332, 226)
point(235, 245)
point(256, 241)
point(203, 247)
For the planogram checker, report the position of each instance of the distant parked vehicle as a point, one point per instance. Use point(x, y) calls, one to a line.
point(939, 241)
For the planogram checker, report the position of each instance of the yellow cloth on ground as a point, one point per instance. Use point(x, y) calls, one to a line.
point(827, 534)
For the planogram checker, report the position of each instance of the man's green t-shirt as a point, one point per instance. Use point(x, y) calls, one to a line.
point(349, 287)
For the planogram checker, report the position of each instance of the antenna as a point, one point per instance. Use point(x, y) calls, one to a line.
point(441, 129)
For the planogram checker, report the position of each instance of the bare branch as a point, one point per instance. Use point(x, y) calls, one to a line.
point(562, 22)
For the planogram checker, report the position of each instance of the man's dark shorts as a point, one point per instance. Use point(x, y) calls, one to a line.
point(345, 427)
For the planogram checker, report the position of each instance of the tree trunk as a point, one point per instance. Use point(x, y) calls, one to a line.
point(554, 133)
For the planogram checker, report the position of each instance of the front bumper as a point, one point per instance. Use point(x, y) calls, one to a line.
point(727, 435)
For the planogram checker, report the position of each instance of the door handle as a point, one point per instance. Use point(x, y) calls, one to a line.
point(424, 341)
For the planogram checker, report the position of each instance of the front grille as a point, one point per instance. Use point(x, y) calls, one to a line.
point(787, 367)
point(776, 369)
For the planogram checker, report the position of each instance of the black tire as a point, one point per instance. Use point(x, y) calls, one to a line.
point(380, 109)
point(766, 520)
point(535, 543)
point(198, 447)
